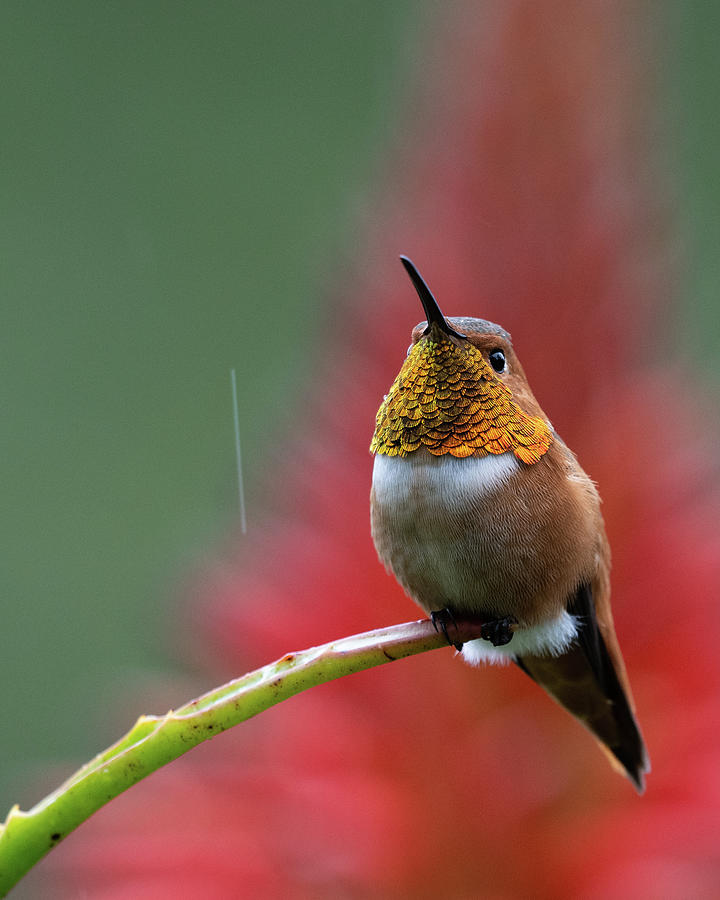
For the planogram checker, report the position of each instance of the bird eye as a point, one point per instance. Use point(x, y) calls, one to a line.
point(497, 360)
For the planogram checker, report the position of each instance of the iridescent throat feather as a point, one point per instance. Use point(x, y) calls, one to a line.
point(447, 399)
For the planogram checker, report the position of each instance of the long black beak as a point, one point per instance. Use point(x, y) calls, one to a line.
point(432, 310)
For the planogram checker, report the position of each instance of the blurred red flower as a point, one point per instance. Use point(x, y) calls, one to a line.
point(526, 189)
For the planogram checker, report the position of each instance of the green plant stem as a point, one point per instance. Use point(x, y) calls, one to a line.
point(155, 741)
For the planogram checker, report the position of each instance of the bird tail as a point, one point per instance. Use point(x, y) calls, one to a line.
point(588, 683)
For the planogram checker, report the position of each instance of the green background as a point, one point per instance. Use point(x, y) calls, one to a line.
point(690, 75)
point(178, 182)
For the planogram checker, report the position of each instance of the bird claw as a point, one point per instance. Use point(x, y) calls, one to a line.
point(441, 618)
point(498, 631)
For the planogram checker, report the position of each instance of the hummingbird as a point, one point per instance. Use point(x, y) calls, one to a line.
point(481, 511)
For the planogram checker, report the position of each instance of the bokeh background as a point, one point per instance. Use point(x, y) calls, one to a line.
point(193, 187)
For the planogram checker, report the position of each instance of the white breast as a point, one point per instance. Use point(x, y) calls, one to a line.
point(438, 526)
point(434, 525)
point(397, 481)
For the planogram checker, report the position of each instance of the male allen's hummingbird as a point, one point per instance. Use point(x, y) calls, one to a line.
point(480, 510)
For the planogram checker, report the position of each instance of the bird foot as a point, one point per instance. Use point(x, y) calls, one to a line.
point(498, 631)
point(441, 618)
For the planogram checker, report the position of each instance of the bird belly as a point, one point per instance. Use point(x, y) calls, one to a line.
point(471, 535)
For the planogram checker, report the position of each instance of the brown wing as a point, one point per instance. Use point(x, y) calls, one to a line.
point(590, 682)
